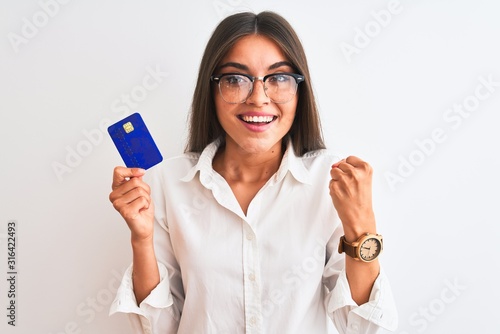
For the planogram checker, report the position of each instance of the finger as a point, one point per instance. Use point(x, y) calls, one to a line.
point(122, 174)
point(335, 165)
point(341, 167)
point(132, 210)
point(336, 173)
point(361, 167)
point(352, 164)
point(133, 202)
point(356, 162)
point(345, 167)
point(131, 196)
point(337, 188)
point(128, 187)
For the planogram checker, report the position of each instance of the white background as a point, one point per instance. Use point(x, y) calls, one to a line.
point(63, 81)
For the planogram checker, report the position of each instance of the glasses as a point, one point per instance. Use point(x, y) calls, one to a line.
point(237, 88)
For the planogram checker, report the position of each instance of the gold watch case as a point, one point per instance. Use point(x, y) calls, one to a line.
point(366, 249)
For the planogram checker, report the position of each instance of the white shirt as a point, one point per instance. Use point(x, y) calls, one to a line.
point(274, 270)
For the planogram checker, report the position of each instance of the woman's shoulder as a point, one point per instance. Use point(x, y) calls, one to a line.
point(322, 156)
point(175, 167)
point(187, 157)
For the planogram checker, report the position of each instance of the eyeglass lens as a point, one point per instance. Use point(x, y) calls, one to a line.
point(280, 88)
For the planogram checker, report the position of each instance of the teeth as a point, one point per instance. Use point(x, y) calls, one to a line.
point(257, 119)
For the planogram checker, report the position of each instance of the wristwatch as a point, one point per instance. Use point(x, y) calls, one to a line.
point(367, 248)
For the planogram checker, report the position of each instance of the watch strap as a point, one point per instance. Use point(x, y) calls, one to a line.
point(346, 247)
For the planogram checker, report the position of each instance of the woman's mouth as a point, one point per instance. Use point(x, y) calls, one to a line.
point(257, 119)
point(257, 123)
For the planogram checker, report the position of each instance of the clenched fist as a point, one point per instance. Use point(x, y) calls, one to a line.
point(351, 192)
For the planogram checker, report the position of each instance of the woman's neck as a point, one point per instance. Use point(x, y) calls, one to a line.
point(237, 165)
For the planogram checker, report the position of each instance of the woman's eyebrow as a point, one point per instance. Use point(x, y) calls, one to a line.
point(245, 68)
point(235, 65)
point(280, 64)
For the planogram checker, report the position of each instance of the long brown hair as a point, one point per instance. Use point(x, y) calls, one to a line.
point(204, 127)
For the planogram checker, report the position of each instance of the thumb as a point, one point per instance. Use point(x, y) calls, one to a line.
point(122, 174)
point(335, 165)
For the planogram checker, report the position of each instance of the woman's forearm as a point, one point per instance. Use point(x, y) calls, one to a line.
point(145, 275)
point(361, 277)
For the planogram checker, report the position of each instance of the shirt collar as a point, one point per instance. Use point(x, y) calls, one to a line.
point(289, 163)
point(204, 164)
point(294, 164)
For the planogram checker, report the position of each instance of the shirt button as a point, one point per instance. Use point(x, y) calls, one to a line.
point(251, 277)
point(253, 320)
point(355, 327)
point(249, 236)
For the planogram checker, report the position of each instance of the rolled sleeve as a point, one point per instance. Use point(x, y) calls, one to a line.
point(379, 311)
point(146, 317)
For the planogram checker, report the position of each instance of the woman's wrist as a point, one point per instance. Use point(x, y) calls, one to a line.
point(354, 231)
point(141, 243)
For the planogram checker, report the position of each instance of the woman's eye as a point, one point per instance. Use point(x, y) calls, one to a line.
point(234, 79)
point(277, 78)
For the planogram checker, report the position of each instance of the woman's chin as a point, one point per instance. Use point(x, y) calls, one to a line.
point(258, 146)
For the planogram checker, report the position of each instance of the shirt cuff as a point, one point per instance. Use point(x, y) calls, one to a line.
point(380, 308)
point(125, 302)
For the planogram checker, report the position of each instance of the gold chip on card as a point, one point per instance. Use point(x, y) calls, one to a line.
point(128, 127)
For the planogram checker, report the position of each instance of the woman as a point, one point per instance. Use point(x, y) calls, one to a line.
point(240, 234)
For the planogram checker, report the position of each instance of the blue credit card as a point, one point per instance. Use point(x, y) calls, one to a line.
point(134, 142)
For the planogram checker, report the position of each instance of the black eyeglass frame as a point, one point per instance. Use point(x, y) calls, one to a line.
point(298, 79)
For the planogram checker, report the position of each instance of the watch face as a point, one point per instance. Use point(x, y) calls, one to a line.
point(370, 249)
